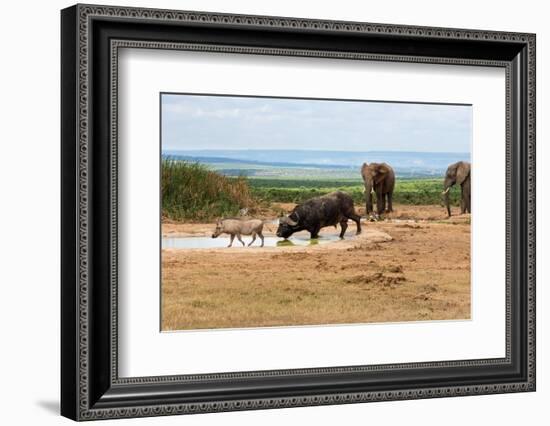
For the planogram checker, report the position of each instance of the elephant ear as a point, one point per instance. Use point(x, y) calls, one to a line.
point(381, 172)
point(462, 172)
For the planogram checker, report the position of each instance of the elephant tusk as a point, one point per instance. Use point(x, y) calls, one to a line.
point(372, 191)
point(447, 190)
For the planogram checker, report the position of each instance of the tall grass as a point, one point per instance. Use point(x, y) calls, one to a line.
point(192, 192)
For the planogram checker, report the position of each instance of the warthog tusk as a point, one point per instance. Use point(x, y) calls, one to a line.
point(447, 190)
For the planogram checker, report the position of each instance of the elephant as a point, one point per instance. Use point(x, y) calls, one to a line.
point(458, 173)
point(378, 178)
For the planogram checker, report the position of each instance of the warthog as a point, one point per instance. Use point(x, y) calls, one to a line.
point(238, 227)
point(316, 213)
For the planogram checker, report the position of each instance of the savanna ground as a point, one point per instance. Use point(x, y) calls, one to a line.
point(413, 265)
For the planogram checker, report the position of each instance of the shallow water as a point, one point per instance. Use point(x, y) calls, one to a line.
point(220, 242)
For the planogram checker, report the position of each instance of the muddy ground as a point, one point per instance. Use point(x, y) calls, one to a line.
point(413, 265)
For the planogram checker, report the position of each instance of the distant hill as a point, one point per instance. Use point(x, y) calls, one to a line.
point(296, 163)
point(224, 160)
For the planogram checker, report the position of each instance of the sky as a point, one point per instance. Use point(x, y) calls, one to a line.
point(193, 122)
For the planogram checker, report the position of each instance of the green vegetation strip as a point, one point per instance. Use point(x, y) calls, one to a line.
point(407, 191)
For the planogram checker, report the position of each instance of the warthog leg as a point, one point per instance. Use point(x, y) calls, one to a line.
point(231, 240)
point(239, 238)
point(253, 239)
point(262, 238)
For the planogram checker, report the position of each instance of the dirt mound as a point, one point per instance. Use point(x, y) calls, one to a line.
point(396, 269)
point(378, 278)
point(426, 292)
point(408, 225)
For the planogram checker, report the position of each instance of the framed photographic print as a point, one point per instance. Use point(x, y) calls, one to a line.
point(263, 212)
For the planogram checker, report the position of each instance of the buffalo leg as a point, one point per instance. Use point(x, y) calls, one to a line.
point(343, 227)
point(253, 239)
point(231, 240)
point(357, 220)
point(315, 232)
point(239, 238)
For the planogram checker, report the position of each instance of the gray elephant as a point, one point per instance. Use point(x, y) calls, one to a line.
point(379, 178)
point(458, 173)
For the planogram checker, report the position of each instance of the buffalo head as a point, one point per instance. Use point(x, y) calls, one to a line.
point(288, 225)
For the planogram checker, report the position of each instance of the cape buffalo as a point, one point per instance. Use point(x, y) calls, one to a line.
point(312, 215)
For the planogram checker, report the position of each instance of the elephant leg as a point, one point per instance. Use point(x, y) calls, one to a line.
point(380, 204)
point(390, 202)
point(462, 201)
point(467, 196)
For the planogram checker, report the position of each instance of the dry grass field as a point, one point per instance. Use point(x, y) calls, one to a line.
point(413, 266)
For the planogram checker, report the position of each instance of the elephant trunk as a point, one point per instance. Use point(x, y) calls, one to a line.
point(446, 199)
point(368, 196)
point(447, 203)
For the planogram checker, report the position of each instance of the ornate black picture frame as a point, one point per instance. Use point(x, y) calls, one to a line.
point(91, 37)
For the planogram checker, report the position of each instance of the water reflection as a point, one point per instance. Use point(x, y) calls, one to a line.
point(222, 241)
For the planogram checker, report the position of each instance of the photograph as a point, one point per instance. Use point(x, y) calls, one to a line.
point(281, 212)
